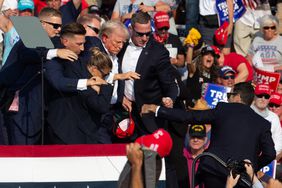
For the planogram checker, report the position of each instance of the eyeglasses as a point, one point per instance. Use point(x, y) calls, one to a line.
point(266, 96)
point(96, 30)
point(231, 94)
point(163, 29)
point(272, 105)
point(228, 77)
point(139, 34)
point(269, 27)
point(55, 25)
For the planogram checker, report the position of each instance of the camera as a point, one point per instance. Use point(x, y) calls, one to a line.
point(237, 167)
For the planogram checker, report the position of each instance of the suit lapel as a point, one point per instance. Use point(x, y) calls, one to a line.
point(143, 56)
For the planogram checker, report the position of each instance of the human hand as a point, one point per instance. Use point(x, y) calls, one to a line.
point(232, 181)
point(66, 54)
point(167, 102)
point(145, 8)
point(127, 104)
point(229, 29)
point(95, 81)
point(134, 154)
point(148, 108)
point(249, 168)
point(130, 76)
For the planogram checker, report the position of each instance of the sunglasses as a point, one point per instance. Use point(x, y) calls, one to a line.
point(228, 77)
point(163, 28)
point(139, 34)
point(272, 105)
point(55, 26)
point(266, 96)
point(231, 94)
point(267, 28)
point(96, 30)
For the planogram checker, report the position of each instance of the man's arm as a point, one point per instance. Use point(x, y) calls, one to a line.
point(243, 73)
point(179, 115)
point(54, 74)
point(165, 76)
point(135, 157)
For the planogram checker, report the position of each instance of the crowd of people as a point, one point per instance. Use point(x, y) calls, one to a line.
point(116, 75)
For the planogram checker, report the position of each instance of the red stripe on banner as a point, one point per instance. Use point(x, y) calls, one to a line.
point(63, 150)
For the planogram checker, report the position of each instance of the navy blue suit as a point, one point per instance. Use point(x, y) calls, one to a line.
point(74, 117)
point(238, 133)
point(22, 72)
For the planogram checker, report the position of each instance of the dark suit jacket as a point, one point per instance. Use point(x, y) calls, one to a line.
point(75, 116)
point(237, 133)
point(157, 79)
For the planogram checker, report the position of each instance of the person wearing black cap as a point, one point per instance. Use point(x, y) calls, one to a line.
point(204, 70)
point(197, 140)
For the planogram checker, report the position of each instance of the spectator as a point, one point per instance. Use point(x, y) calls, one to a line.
point(205, 70)
point(247, 27)
point(124, 10)
point(197, 140)
point(25, 8)
point(227, 76)
point(241, 66)
point(266, 51)
point(261, 101)
point(275, 104)
point(226, 141)
point(208, 22)
point(170, 41)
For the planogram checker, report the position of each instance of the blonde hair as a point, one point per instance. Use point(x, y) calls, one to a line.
point(99, 59)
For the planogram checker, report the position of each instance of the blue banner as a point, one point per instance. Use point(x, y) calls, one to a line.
point(270, 169)
point(213, 94)
point(221, 6)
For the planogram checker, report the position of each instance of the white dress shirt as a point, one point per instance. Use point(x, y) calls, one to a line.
point(129, 63)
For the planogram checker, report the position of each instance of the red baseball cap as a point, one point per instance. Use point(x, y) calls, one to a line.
point(220, 35)
point(161, 19)
point(124, 125)
point(275, 98)
point(160, 142)
point(262, 89)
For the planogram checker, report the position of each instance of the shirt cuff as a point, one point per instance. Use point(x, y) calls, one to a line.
point(157, 109)
point(51, 54)
point(81, 84)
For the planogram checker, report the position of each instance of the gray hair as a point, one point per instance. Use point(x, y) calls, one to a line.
point(113, 26)
point(268, 20)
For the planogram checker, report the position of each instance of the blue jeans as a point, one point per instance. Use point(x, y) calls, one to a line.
point(192, 14)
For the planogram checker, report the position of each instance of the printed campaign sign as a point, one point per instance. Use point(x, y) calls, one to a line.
point(221, 6)
point(270, 169)
point(214, 93)
point(265, 77)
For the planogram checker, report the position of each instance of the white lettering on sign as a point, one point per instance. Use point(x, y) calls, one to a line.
point(265, 79)
point(265, 169)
